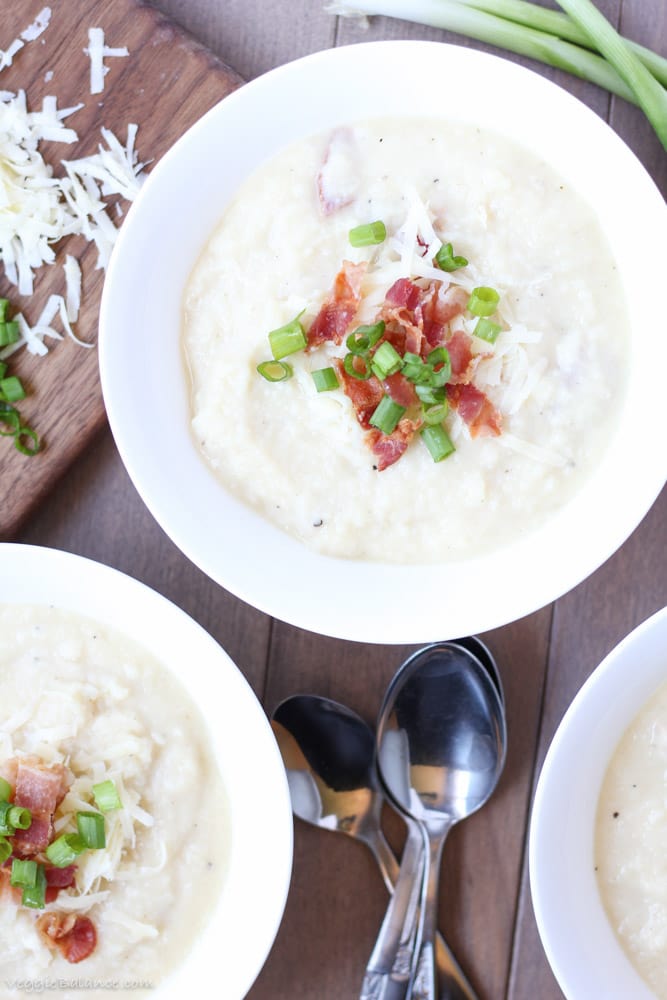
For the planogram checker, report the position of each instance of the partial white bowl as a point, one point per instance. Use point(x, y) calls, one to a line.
point(145, 384)
point(578, 939)
point(243, 924)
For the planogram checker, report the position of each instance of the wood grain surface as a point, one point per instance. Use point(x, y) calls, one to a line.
point(164, 85)
point(337, 898)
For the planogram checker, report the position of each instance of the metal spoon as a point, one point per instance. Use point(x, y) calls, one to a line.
point(329, 756)
point(441, 749)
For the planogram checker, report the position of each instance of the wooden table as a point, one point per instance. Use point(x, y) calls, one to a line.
point(337, 898)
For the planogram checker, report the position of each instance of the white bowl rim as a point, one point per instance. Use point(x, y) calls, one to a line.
point(281, 585)
point(580, 944)
point(245, 919)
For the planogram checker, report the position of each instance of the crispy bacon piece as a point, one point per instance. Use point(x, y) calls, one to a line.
point(338, 178)
point(438, 308)
point(39, 788)
point(404, 293)
point(401, 330)
point(400, 390)
point(476, 409)
point(60, 878)
point(459, 347)
point(388, 448)
point(75, 937)
point(365, 395)
point(35, 839)
point(339, 309)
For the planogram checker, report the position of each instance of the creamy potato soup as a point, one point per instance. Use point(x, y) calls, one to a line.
point(488, 377)
point(631, 834)
point(92, 726)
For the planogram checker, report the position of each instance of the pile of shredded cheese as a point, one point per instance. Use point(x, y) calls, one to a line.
point(37, 208)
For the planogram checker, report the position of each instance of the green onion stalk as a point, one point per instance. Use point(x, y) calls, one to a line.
point(580, 41)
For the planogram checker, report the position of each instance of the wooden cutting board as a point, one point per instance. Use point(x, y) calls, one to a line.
point(168, 81)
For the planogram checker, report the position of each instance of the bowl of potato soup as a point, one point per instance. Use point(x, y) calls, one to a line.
point(598, 828)
point(138, 779)
point(387, 351)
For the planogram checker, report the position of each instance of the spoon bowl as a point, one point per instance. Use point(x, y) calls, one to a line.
point(329, 756)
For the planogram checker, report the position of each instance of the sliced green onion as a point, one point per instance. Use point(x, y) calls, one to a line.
point(106, 796)
point(387, 360)
point(447, 260)
point(416, 372)
point(437, 441)
point(19, 443)
point(358, 343)
point(6, 828)
point(441, 377)
point(373, 332)
point(10, 420)
point(363, 338)
point(440, 356)
point(351, 364)
point(386, 415)
point(12, 389)
point(288, 339)
point(19, 818)
point(275, 371)
point(65, 850)
point(34, 898)
point(430, 394)
point(9, 333)
point(436, 413)
point(4, 306)
point(5, 850)
point(24, 874)
point(91, 829)
point(368, 235)
point(325, 379)
point(5, 790)
point(487, 330)
point(483, 301)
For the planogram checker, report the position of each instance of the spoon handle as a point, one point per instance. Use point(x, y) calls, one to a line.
point(425, 984)
point(385, 857)
point(452, 981)
point(391, 966)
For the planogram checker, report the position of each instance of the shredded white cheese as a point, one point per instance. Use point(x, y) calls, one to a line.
point(38, 209)
point(38, 26)
point(73, 284)
point(29, 34)
point(97, 51)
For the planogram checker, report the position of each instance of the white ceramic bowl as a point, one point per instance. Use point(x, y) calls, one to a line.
point(583, 951)
point(145, 387)
point(231, 950)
